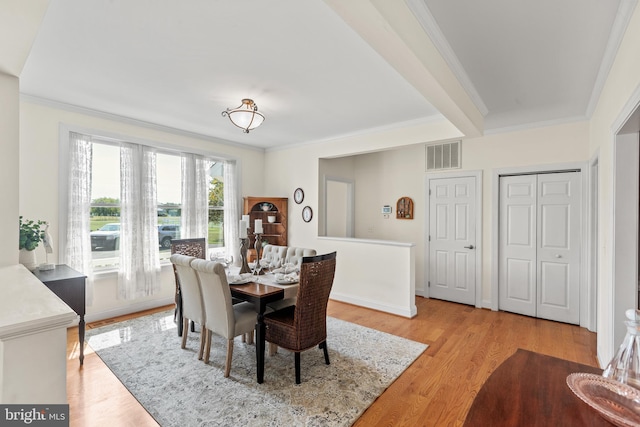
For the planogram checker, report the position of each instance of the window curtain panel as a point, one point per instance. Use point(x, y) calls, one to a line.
point(139, 252)
point(195, 197)
point(77, 252)
point(231, 212)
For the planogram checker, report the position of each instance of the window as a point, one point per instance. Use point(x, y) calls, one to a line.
point(105, 203)
point(216, 205)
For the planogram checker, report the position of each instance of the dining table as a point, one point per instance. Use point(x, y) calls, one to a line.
point(260, 291)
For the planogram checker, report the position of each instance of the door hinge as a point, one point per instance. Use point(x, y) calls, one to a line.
point(429, 237)
point(429, 191)
point(429, 284)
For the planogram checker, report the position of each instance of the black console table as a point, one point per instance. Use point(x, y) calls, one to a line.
point(69, 286)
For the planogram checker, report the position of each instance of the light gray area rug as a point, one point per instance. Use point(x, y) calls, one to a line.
point(177, 389)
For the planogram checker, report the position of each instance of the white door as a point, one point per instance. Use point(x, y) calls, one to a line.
point(452, 234)
point(539, 266)
point(517, 272)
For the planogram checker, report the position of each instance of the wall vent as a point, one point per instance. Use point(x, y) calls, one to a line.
point(444, 156)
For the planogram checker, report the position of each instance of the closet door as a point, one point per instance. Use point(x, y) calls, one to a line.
point(517, 271)
point(539, 265)
point(559, 247)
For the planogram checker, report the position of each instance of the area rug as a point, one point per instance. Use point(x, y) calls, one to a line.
point(177, 389)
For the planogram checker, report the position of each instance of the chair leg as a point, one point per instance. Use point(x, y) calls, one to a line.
point(273, 349)
point(250, 337)
point(203, 333)
point(178, 314)
point(185, 323)
point(193, 326)
point(297, 361)
point(323, 346)
point(207, 344)
point(227, 366)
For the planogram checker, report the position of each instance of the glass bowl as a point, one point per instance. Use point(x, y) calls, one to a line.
point(616, 402)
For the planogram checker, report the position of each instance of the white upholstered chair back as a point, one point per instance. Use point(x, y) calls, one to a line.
point(274, 254)
point(192, 304)
point(279, 255)
point(295, 255)
point(222, 317)
point(217, 297)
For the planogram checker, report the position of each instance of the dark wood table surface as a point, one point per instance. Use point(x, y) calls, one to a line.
point(69, 285)
point(530, 389)
point(259, 295)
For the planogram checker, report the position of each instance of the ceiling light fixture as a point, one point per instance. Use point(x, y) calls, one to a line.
point(246, 116)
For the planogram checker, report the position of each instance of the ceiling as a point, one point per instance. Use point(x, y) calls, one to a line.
point(319, 70)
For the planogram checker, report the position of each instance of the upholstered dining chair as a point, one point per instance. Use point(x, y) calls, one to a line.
point(192, 304)
point(222, 317)
point(192, 247)
point(303, 326)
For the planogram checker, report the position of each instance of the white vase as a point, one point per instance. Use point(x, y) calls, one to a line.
point(28, 259)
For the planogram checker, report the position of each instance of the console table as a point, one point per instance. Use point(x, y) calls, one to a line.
point(69, 285)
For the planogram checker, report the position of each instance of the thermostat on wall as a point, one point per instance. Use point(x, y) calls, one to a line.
point(386, 209)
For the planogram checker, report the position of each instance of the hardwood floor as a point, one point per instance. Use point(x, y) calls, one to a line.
point(465, 345)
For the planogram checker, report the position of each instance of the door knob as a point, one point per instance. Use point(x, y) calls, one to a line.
point(558, 256)
point(469, 247)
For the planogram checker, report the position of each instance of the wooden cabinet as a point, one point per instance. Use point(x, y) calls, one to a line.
point(264, 208)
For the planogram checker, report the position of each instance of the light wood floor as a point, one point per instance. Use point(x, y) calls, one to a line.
point(465, 345)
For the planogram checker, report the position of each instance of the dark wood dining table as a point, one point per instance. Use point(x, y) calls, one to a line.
point(530, 389)
point(259, 294)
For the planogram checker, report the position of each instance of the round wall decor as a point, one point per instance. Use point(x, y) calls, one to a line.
point(307, 214)
point(298, 195)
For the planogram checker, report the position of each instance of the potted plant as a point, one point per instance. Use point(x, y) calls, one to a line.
point(31, 234)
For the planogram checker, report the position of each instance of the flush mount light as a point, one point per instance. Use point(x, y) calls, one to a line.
point(246, 116)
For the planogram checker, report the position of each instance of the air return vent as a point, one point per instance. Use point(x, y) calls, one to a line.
point(444, 156)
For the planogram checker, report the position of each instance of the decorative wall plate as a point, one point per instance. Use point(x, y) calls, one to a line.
point(307, 214)
point(298, 195)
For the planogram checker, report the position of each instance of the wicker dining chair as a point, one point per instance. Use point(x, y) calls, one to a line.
point(191, 291)
point(222, 317)
point(303, 326)
point(196, 248)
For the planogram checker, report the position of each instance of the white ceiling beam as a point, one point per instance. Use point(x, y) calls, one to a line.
point(394, 32)
point(19, 23)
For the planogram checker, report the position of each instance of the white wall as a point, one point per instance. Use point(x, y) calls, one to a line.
point(39, 195)
point(9, 137)
point(620, 95)
point(542, 146)
point(385, 176)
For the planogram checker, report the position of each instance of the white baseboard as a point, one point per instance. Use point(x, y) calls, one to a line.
point(128, 309)
point(400, 311)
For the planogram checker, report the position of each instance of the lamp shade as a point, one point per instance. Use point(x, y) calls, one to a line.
point(246, 116)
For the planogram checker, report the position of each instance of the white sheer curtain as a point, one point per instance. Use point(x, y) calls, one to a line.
point(139, 252)
point(78, 246)
point(231, 212)
point(195, 197)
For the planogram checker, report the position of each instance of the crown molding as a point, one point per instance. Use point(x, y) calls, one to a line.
point(623, 16)
point(134, 122)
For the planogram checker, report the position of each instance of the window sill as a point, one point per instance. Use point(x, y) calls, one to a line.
point(107, 272)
